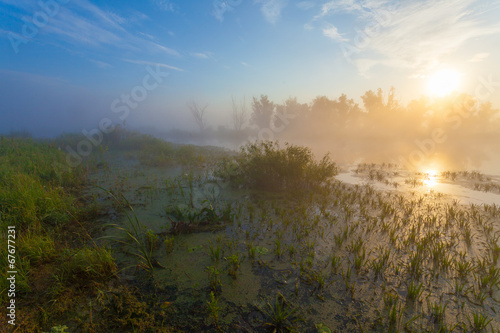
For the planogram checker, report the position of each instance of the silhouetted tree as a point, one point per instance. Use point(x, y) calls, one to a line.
point(239, 115)
point(288, 111)
point(375, 102)
point(322, 109)
point(263, 111)
point(198, 115)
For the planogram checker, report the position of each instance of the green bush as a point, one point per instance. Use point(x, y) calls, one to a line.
point(265, 165)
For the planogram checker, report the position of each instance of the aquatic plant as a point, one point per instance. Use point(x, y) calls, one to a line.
point(251, 251)
point(215, 252)
point(278, 251)
point(214, 310)
point(214, 279)
point(169, 243)
point(414, 291)
point(151, 239)
point(336, 261)
point(478, 322)
point(135, 235)
point(233, 264)
point(282, 316)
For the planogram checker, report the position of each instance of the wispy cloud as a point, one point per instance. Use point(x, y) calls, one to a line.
point(331, 32)
point(143, 62)
point(82, 24)
point(416, 34)
point(200, 55)
point(343, 6)
point(100, 64)
point(35, 78)
point(305, 5)
point(271, 9)
point(245, 64)
point(479, 57)
point(166, 5)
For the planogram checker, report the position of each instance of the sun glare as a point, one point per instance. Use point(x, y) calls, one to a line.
point(430, 179)
point(443, 82)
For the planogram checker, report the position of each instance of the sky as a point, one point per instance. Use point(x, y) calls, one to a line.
point(66, 65)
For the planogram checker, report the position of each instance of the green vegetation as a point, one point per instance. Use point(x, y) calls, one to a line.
point(135, 234)
point(214, 309)
point(382, 261)
point(265, 165)
point(53, 255)
point(282, 315)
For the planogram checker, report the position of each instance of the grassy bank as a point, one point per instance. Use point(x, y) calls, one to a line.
point(57, 263)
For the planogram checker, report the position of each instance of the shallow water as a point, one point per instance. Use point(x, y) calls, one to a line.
point(185, 281)
point(463, 194)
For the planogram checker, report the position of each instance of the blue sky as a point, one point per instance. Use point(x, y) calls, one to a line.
point(84, 54)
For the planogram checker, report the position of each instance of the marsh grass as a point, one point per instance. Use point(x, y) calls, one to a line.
point(214, 310)
point(234, 262)
point(90, 263)
point(135, 234)
point(478, 322)
point(282, 316)
point(215, 252)
point(55, 254)
point(414, 291)
point(169, 243)
point(214, 279)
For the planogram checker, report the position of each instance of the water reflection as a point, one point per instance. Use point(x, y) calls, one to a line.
point(432, 183)
point(430, 179)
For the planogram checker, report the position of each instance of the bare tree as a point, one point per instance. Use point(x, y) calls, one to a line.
point(198, 115)
point(239, 115)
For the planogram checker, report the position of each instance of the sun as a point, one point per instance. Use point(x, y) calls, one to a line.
point(443, 82)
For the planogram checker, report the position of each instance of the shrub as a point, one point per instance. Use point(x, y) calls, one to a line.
point(265, 165)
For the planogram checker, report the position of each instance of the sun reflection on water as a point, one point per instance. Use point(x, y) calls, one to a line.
point(430, 178)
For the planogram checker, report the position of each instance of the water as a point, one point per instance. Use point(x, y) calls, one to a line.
point(432, 183)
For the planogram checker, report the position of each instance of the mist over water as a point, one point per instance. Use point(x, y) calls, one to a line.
point(455, 132)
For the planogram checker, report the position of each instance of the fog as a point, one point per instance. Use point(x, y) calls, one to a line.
point(458, 131)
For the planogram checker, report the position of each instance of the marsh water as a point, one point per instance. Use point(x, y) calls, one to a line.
point(464, 192)
point(343, 258)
